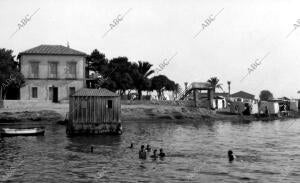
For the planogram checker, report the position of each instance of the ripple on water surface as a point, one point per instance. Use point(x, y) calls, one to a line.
point(196, 152)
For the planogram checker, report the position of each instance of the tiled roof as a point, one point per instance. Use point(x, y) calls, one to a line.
point(243, 94)
point(52, 50)
point(95, 92)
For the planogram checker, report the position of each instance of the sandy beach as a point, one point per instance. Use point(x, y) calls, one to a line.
point(137, 112)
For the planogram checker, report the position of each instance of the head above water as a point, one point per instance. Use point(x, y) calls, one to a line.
point(161, 150)
point(230, 156)
point(142, 146)
point(154, 151)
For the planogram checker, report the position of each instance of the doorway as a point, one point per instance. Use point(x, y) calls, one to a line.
point(55, 95)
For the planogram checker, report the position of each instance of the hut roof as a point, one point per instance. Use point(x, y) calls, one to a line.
point(101, 92)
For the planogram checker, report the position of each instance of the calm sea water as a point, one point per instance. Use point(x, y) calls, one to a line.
point(196, 152)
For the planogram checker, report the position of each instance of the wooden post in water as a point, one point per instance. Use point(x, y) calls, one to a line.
point(1, 101)
point(210, 97)
point(195, 96)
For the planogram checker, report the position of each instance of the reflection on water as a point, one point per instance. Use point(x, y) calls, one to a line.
point(196, 152)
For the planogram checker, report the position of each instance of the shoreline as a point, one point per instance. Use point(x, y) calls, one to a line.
point(135, 113)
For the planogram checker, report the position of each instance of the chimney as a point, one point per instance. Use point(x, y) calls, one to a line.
point(68, 44)
point(185, 84)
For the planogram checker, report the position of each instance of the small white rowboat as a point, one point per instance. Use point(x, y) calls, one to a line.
point(22, 131)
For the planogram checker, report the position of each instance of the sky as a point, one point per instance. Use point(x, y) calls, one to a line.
point(239, 34)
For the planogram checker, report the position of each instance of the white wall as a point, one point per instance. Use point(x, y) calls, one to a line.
point(44, 65)
point(43, 83)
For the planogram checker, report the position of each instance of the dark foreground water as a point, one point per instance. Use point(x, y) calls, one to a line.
point(196, 152)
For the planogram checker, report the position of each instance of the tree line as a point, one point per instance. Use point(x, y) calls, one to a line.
point(10, 76)
point(117, 74)
point(121, 75)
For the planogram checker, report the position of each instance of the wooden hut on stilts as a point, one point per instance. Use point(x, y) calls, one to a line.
point(94, 111)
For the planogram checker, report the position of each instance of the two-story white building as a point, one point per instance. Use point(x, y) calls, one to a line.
point(52, 72)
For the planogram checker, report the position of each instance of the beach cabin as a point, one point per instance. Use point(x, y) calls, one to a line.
point(239, 107)
point(254, 106)
point(294, 105)
point(273, 107)
point(94, 111)
point(219, 102)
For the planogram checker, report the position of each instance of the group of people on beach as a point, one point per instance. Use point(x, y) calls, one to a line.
point(145, 152)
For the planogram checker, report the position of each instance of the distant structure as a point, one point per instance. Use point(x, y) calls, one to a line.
point(242, 96)
point(52, 72)
point(94, 111)
point(196, 88)
point(185, 85)
point(229, 83)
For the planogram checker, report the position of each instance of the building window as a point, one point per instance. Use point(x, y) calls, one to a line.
point(34, 92)
point(109, 104)
point(34, 69)
point(71, 70)
point(53, 70)
point(71, 91)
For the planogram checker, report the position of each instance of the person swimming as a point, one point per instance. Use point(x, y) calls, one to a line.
point(92, 149)
point(161, 153)
point(119, 129)
point(131, 146)
point(148, 148)
point(142, 153)
point(231, 157)
point(154, 155)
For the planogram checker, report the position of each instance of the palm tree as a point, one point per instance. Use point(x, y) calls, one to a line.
point(177, 89)
point(143, 83)
point(144, 68)
point(229, 82)
point(214, 82)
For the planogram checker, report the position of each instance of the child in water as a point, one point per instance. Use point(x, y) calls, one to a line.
point(148, 148)
point(161, 153)
point(142, 153)
point(131, 146)
point(231, 157)
point(154, 155)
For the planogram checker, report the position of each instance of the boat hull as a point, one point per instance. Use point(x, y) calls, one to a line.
point(8, 132)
